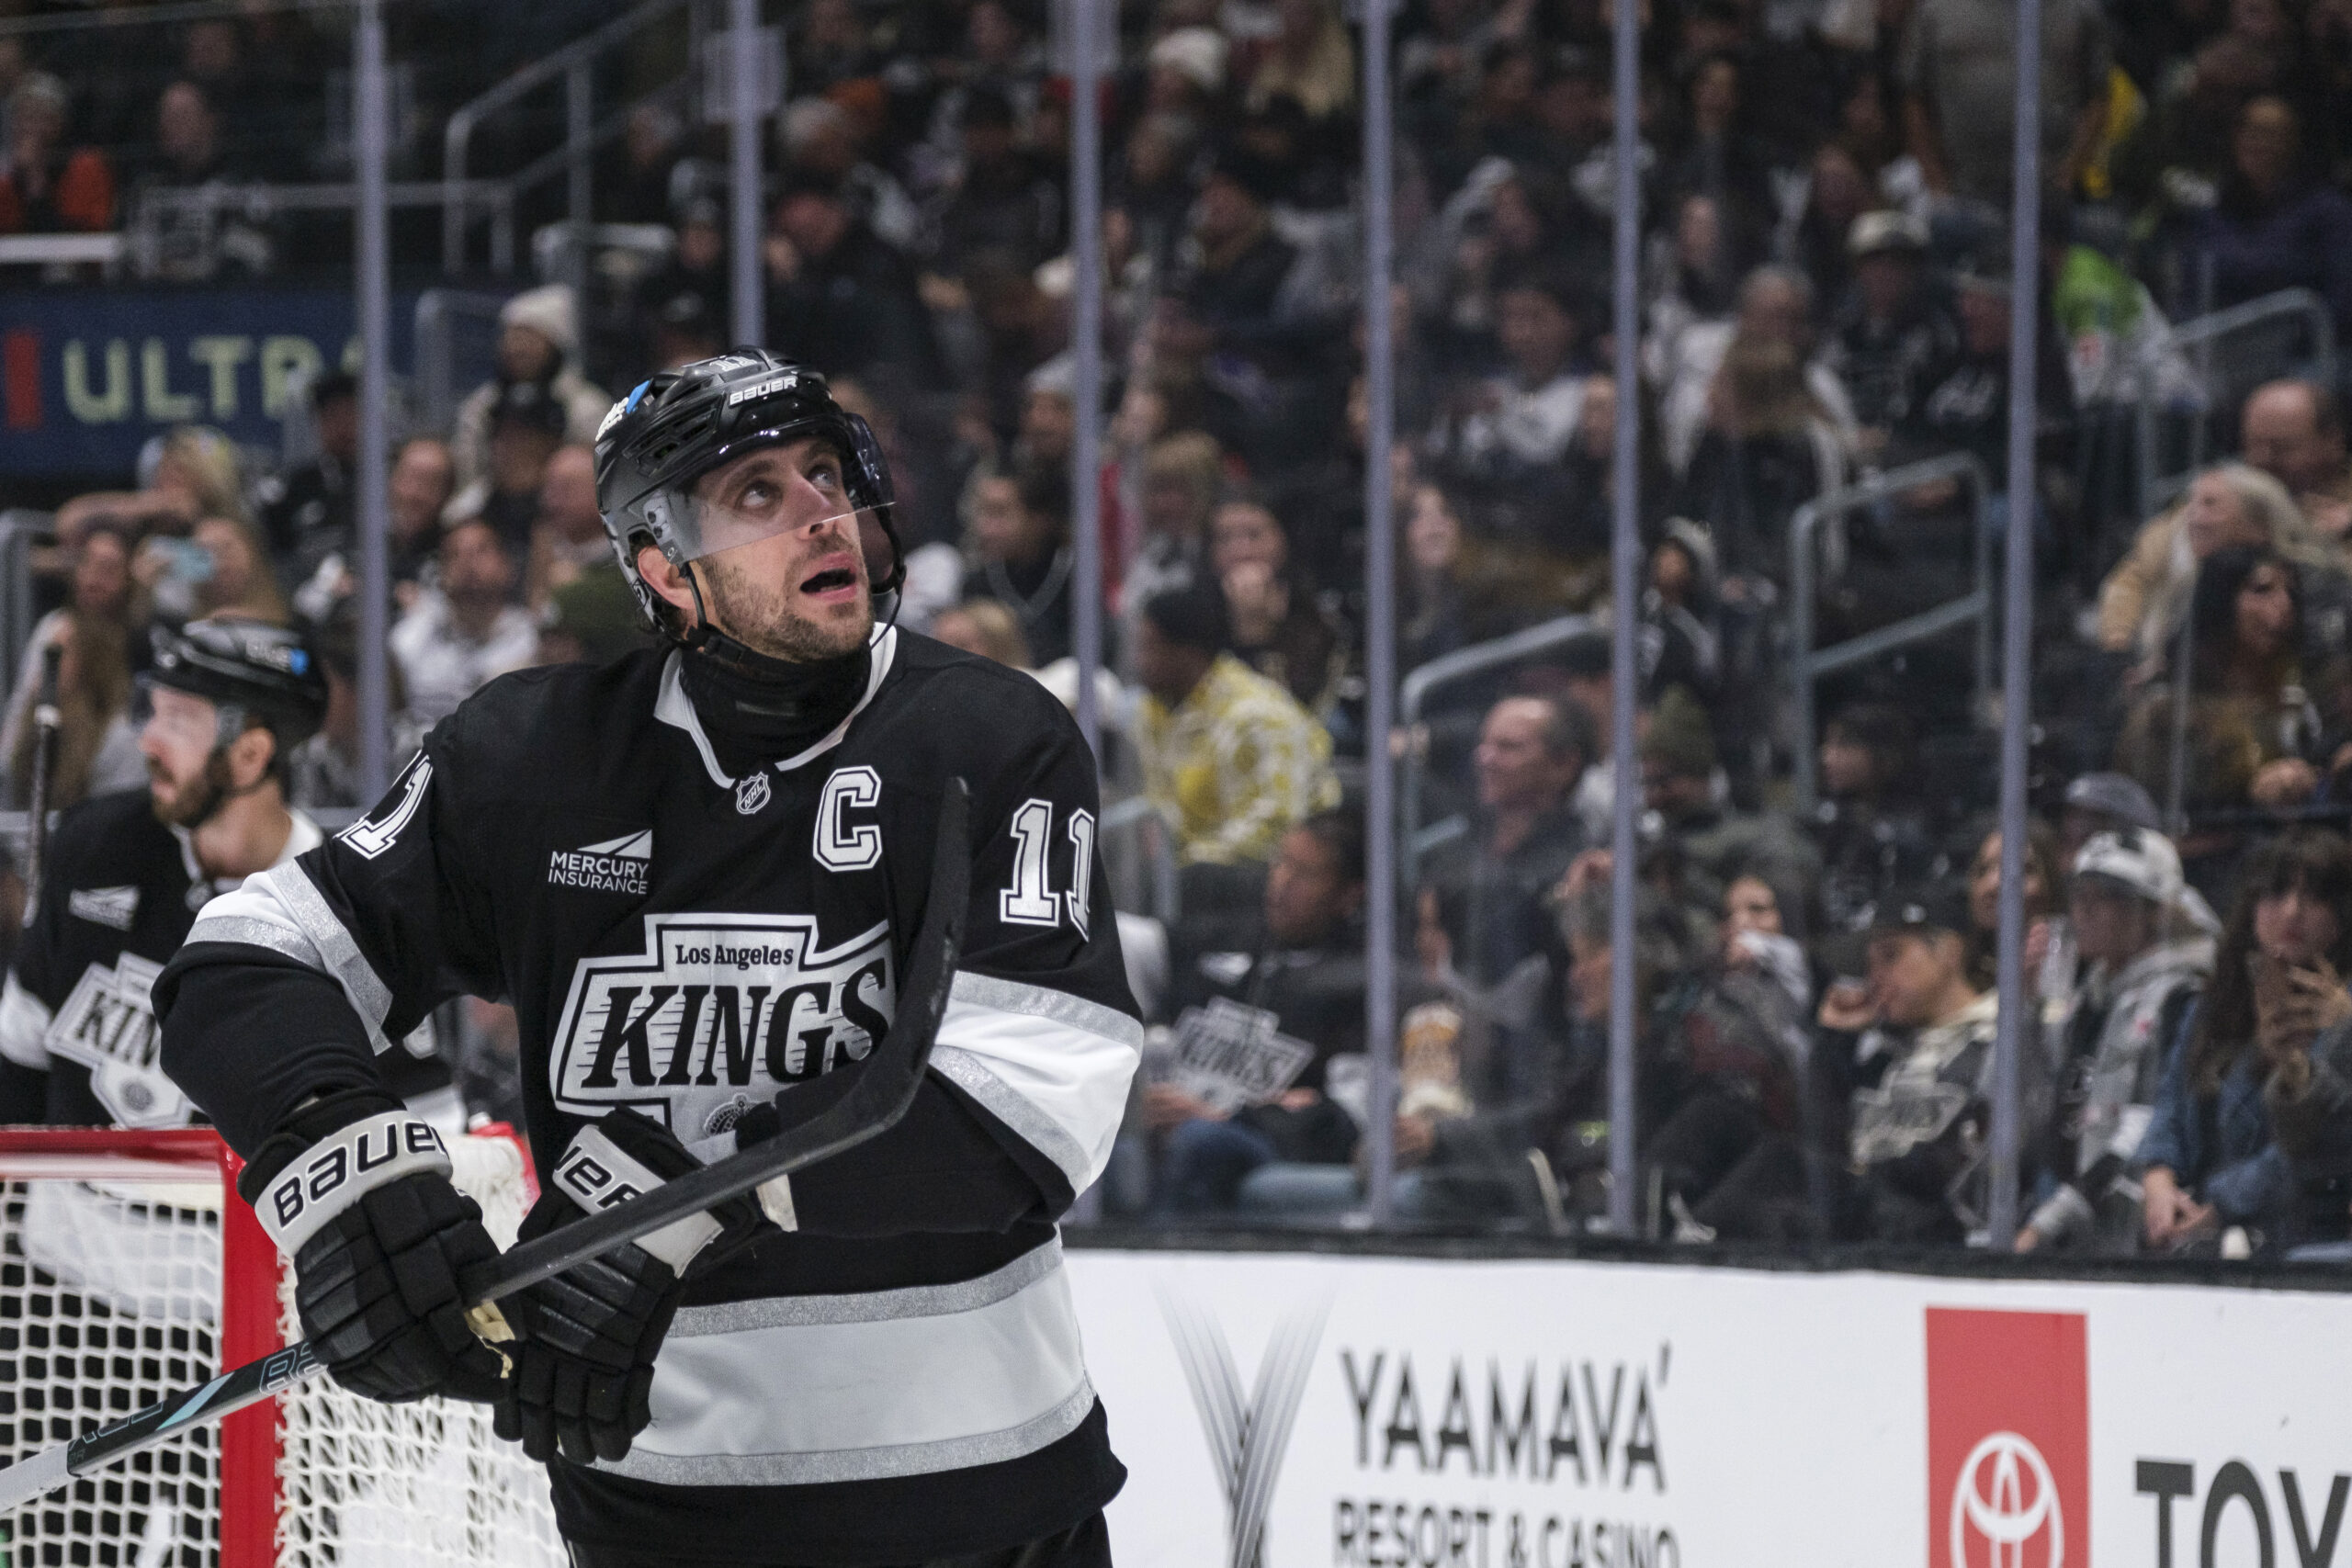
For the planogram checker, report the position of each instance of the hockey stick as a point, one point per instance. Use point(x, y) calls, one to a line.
point(873, 1105)
point(47, 722)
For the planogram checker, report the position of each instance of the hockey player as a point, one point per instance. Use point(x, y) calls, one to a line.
point(228, 701)
point(695, 873)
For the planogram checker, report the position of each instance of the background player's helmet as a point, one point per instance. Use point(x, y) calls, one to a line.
point(672, 430)
point(247, 671)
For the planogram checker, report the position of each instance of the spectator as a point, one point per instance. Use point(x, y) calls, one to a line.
point(986, 627)
point(1019, 553)
point(691, 292)
point(821, 140)
point(238, 584)
point(1681, 782)
point(2209, 1160)
point(1744, 1153)
point(195, 473)
point(467, 629)
point(1228, 756)
point(1181, 477)
point(197, 241)
point(2104, 803)
point(1484, 895)
point(1310, 60)
point(527, 427)
point(2257, 711)
point(1872, 825)
point(2275, 225)
point(322, 774)
point(1959, 71)
point(2044, 899)
point(97, 750)
point(1775, 307)
point(1966, 405)
point(46, 186)
point(592, 619)
point(538, 344)
point(1306, 970)
point(2144, 966)
point(1280, 627)
point(2293, 431)
point(1769, 446)
point(306, 513)
point(1432, 613)
point(569, 538)
point(1230, 285)
point(1523, 421)
point(1917, 1047)
point(1896, 332)
point(2144, 600)
point(1001, 204)
point(839, 297)
point(423, 474)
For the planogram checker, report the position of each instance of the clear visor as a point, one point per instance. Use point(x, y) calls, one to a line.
point(182, 717)
point(802, 487)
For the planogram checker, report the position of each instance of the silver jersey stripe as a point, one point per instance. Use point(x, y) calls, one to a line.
point(919, 1391)
point(285, 901)
point(1044, 1001)
point(857, 1464)
point(251, 932)
point(871, 1306)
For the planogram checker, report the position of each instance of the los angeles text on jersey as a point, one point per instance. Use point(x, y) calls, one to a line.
point(720, 1012)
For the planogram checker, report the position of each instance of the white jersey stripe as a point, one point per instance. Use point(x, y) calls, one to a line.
point(849, 1398)
point(1052, 1067)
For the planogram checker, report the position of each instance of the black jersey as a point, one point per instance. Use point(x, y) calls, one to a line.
point(896, 1376)
point(77, 1029)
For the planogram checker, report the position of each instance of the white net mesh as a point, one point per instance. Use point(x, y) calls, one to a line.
point(367, 1484)
point(109, 1299)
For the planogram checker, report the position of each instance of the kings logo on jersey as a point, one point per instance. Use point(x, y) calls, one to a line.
point(718, 1014)
point(107, 1024)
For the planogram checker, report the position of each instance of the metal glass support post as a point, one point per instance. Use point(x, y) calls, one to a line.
point(1625, 555)
point(1380, 622)
point(743, 147)
point(2017, 624)
point(580, 131)
point(1086, 464)
point(374, 289)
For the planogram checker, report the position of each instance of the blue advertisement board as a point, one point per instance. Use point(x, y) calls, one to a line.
point(87, 376)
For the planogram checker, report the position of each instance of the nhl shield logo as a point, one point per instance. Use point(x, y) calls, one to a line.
point(752, 794)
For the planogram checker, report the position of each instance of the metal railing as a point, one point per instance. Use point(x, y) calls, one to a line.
point(59, 250)
point(1413, 693)
point(1808, 664)
point(576, 63)
point(2201, 339)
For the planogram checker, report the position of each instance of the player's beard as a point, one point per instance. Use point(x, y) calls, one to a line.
point(194, 802)
point(759, 614)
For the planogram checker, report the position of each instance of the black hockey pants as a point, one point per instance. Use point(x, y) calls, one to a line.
point(1084, 1545)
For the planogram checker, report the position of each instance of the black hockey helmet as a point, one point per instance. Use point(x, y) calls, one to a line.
point(249, 670)
point(672, 430)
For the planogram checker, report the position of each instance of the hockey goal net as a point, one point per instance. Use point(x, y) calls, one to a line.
point(128, 1267)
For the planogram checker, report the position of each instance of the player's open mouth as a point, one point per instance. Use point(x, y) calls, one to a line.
point(830, 582)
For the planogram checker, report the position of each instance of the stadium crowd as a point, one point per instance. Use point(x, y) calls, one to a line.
point(1825, 297)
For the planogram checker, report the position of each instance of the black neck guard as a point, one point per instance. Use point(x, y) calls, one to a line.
point(758, 710)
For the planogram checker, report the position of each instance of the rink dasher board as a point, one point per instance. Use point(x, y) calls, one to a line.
point(1619, 1414)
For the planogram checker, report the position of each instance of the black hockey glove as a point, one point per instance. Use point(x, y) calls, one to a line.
point(357, 1191)
point(586, 1338)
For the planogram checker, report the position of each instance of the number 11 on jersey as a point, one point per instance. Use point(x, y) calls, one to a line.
point(1030, 900)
